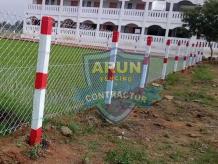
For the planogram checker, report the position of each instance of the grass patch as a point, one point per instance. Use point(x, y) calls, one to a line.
point(126, 154)
point(173, 79)
point(210, 156)
point(93, 146)
point(204, 153)
point(200, 97)
point(34, 153)
point(202, 74)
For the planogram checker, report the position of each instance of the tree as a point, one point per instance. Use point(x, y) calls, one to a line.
point(203, 20)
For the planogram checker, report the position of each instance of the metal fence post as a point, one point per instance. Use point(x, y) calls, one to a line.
point(184, 66)
point(165, 60)
point(111, 68)
point(144, 76)
point(191, 55)
point(41, 80)
point(177, 57)
point(202, 52)
point(195, 55)
point(199, 53)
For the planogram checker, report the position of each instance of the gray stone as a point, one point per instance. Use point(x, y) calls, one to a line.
point(66, 131)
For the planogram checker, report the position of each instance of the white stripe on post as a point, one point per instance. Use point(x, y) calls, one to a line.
point(146, 63)
point(185, 57)
point(177, 56)
point(199, 53)
point(41, 81)
point(111, 69)
point(195, 55)
point(165, 60)
point(191, 55)
point(202, 52)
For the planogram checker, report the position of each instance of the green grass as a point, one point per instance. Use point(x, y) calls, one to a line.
point(126, 154)
point(66, 75)
point(173, 79)
point(202, 74)
point(198, 96)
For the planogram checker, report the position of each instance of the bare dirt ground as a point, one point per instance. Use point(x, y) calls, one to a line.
point(181, 130)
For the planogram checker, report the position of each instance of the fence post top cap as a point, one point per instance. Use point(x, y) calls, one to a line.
point(46, 25)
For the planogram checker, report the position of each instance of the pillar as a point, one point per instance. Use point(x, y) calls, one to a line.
point(169, 20)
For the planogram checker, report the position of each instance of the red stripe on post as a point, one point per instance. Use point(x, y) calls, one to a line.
point(115, 37)
point(35, 136)
point(168, 42)
point(46, 25)
point(187, 44)
point(41, 80)
point(149, 40)
point(165, 60)
point(111, 74)
point(179, 43)
point(176, 58)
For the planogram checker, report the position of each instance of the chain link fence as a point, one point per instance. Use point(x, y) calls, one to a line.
point(77, 73)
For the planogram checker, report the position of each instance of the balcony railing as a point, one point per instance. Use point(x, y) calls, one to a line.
point(103, 38)
point(109, 13)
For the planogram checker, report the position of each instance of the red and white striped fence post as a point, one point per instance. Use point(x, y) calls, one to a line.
point(177, 57)
point(199, 53)
point(165, 60)
point(184, 66)
point(202, 52)
point(191, 55)
point(144, 75)
point(111, 68)
point(195, 55)
point(41, 80)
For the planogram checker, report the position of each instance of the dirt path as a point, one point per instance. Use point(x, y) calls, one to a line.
point(181, 130)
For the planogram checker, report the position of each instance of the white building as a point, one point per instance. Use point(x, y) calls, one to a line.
point(97, 18)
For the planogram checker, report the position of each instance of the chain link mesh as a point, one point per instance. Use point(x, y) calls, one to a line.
point(73, 83)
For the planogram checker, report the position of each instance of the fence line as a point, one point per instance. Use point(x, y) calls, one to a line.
point(77, 73)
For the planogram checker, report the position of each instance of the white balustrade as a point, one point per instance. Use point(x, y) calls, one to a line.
point(110, 13)
point(160, 15)
point(33, 7)
point(67, 31)
point(69, 10)
point(133, 13)
point(130, 37)
point(87, 32)
point(90, 11)
point(103, 34)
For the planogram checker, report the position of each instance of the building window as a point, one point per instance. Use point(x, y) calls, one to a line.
point(74, 3)
point(113, 5)
point(89, 4)
point(140, 6)
point(96, 4)
point(129, 6)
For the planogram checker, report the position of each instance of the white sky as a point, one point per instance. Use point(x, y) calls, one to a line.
point(14, 6)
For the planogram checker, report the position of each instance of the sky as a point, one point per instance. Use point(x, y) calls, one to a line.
point(16, 7)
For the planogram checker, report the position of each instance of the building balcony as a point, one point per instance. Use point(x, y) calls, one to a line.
point(109, 14)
